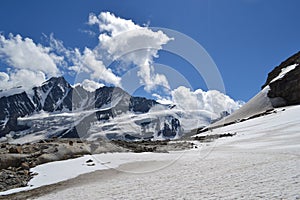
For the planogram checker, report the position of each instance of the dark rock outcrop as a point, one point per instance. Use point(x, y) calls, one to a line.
point(171, 129)
point(53, 95)
point(285, 91)
point(141, 104)
point(12, 107)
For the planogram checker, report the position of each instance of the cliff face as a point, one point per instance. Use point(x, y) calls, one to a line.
point(285, 91)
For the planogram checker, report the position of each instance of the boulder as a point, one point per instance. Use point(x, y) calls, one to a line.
point(15, 149)
point(25, 166)
point(11, 160)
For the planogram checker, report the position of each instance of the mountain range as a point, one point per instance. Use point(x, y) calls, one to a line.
point(58, 109)
point(77, 109)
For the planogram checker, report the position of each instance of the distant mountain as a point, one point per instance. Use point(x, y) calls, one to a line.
point(74, 111)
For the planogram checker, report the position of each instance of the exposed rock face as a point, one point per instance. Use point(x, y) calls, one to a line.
point(54, 95)
point(11, 108)
point(57, 95)
point(285, 91)
point(141, 104)
point(171, 128)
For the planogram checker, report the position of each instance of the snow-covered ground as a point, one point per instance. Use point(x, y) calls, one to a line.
point(55, 172)
point(261, 162)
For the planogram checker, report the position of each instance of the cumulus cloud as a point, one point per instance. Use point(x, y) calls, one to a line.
point(162, 100)
point(88, 62)
point(25, 54)
point(21, 78)
point(119, 40)
point(212, 101)
point(124, 40)
point(196, 108)
point(30, 63)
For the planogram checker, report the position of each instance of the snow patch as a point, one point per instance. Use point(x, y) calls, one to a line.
point(58, 171)
point(284, 71)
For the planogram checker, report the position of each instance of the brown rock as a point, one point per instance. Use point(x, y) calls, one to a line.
point(25, 165)
point(15, 149)
point(26, 172)
point(11, 160)
point(32, 164)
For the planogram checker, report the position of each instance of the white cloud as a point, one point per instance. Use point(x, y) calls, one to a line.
point(88, 62)
point(25, 54)
point(161, 100)
point(21, 78)
point(30, 63)
point(126, 41)
point(89, 32)
point(186, 99)
point(90, 85)
point(119, 40)
point(3, 77)
point(27, 76)
point(109, 22)
point(212, 101)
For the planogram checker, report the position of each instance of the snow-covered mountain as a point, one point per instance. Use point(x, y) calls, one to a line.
point(57, 109)
point(59, 99)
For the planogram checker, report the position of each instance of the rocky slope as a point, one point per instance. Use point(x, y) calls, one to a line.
point(285, 91)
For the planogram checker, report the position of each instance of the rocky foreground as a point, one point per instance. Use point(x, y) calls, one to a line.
point(16, 159)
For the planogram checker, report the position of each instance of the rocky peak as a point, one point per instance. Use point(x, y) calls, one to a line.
point(50, 96)
point(56, 82)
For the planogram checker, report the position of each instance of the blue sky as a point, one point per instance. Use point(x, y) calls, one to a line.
point(245, 38)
